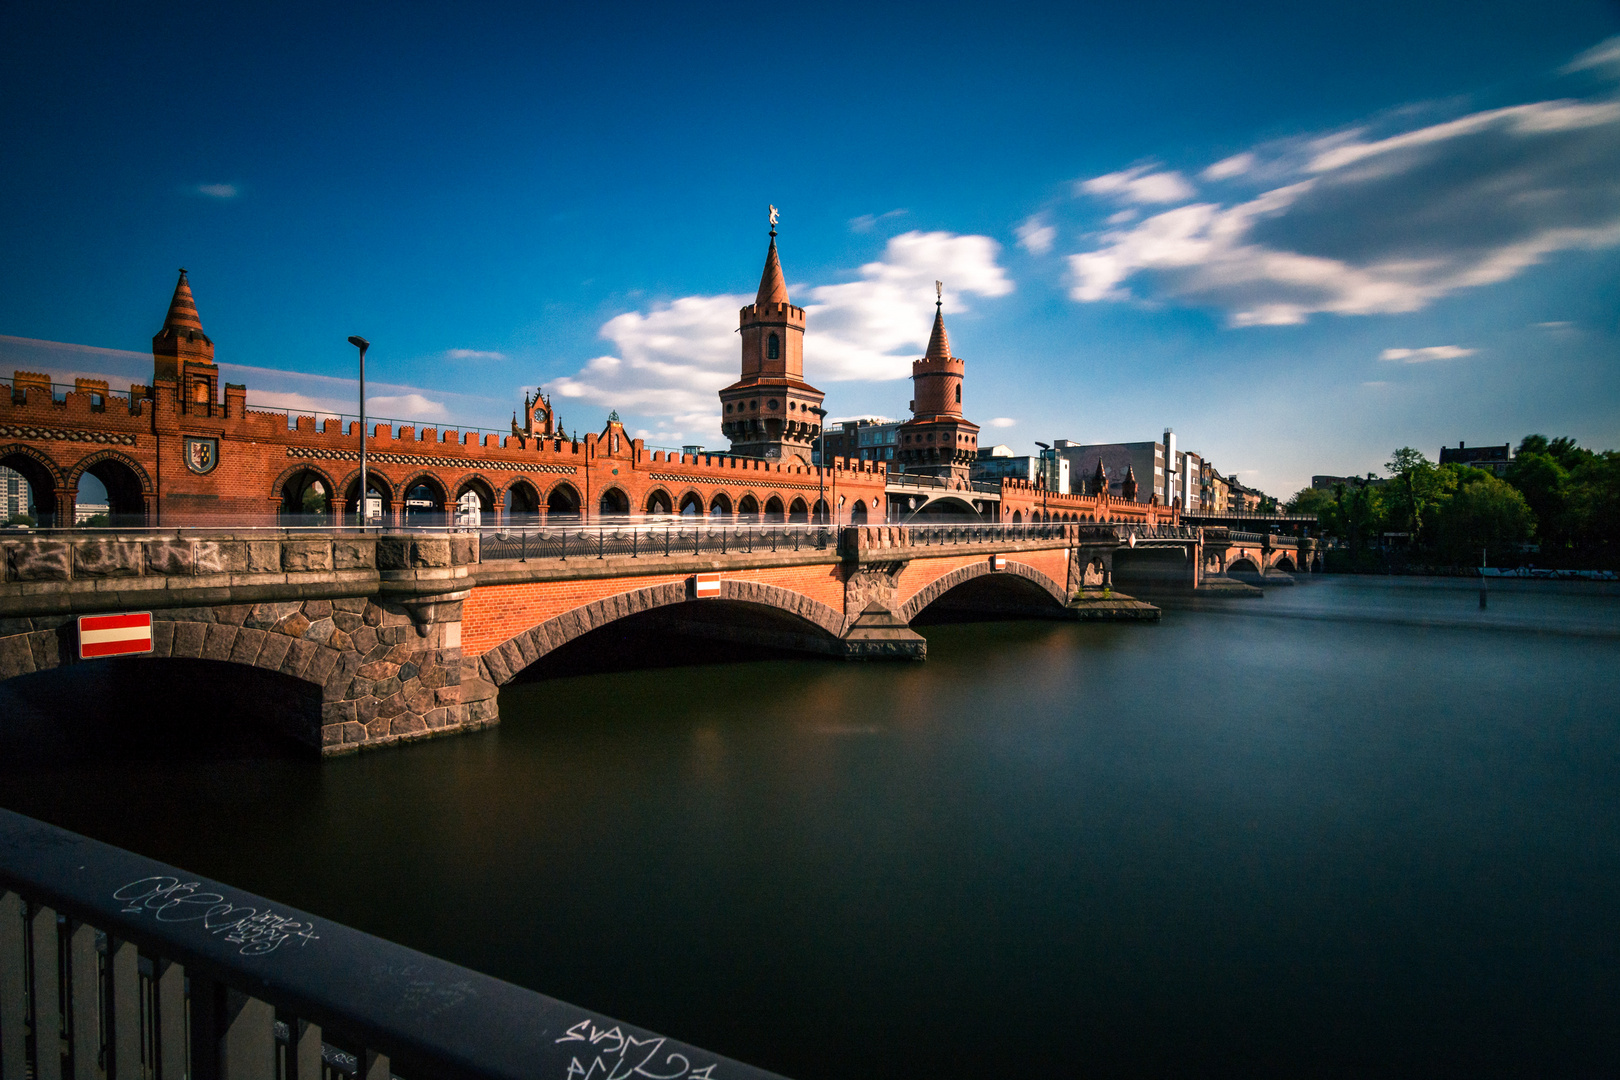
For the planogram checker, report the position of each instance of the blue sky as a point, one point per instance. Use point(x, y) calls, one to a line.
point(1302, 235)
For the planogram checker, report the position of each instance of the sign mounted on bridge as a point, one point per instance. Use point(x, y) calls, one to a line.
point(998, 562)
point(115, 635)
point(706, 585)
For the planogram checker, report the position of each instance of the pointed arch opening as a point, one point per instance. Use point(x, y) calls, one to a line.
point(425, 501)
point(658, 502)
point(110, 491)
point(721, 505)
point(773, 510)
point(691, 504)
point(522, 503)
point(40, 483)
point(307, 498)
point(614, 502)
point(563, 503)
point(379, 494)
point(748, 507)
point(798, 512)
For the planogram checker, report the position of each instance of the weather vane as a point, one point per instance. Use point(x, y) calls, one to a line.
point(939, 293)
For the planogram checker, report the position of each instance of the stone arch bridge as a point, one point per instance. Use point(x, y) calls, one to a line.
point(374, 638)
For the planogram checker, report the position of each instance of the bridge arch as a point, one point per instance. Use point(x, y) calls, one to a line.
point(1285, 563)
point(798, 512)
point(376, 483)
point(563, 500)
point(721, 505)
point(748, 506)
point(425, 486)
point(479, 485)
point(500, 664)
point(305, 492)
point(692, 504)
point(129, 489)
point(773, 509)
point(614, 501)
point(40, 473)
point(659, 502)
point(937, 588)
point(1243, 564)
point(522, 501)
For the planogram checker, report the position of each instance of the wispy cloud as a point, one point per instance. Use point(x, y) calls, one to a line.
point(867, 222)
point(1139, 185)
point(670, 360)
point(1035, 235)
point(1424, 355)
point(473, 354)
point(1226, 168)
point(1002, 421)
point(217, 191)
point(1355, 224)
point(1604, 56)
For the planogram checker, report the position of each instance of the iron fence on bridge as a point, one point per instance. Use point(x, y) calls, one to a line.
point(117, 967)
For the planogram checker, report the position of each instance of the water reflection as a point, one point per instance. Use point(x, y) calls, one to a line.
point(1342, 829)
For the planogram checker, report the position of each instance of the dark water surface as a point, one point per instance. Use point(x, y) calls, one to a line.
point(1355, 828)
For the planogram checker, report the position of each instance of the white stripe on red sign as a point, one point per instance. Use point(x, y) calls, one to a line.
point(707, 584)
point(998, 562)
point(115, 635)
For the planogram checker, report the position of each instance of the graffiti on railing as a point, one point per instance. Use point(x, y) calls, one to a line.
point(170, 900)
point(614, 1052)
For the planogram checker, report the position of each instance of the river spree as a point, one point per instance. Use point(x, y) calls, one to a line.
point(1357, 827)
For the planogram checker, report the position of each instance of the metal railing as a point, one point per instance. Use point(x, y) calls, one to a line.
point(117, 967)
point(652, 539)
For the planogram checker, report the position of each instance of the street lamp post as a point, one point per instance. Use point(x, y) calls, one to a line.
point(821, 458)
point(362, 344)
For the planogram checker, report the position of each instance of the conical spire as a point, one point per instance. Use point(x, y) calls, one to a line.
point(1099, 480)
point(772, 287)
point(939, 346)
point(182, 309)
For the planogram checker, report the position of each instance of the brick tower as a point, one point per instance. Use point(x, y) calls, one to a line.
point(938, 440)
point(767, 413)
point(184, 355)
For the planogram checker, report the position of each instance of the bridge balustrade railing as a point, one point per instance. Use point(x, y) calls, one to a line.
point(117, 967)
point(652, 541)
point(1246, 537)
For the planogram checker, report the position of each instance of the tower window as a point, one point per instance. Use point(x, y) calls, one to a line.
point(959, 395)
point(773, 349)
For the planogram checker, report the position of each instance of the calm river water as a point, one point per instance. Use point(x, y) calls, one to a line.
point(1355, 828)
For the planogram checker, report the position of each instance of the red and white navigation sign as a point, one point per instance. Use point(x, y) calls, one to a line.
point(115, 635)
point(706, 585)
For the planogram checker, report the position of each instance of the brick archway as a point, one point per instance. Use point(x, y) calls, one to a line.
point(961, 575)
point(501, 663)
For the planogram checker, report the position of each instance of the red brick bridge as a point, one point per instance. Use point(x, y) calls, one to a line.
point(351, 639)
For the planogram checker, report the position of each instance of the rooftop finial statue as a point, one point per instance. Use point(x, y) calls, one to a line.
point(773, 219)
point(939, 293)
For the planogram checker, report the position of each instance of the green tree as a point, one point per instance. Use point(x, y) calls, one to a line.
point(1544, 483)
point(1484, 513)
point(1418, 487)
point(1318, 501)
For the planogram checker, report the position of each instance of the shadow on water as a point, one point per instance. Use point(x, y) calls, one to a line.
point(140, 711)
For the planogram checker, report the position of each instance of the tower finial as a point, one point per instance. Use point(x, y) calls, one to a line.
point(939, 294)
point(773, 223)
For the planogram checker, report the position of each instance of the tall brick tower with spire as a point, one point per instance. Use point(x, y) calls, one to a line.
point(768, 412)
point(183, 354)
point(938, 440)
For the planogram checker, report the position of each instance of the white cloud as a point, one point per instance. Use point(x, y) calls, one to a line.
point(1002, 421)
point(1605, 55)
point(1139, 185)
point(473, 354)
point(406, 407)
point(218, 191)
point(294, 403)
point(669, 362)
point(1226, 168)
point(1123, 217)
point(1424, 355)
point(1035, 235)
point(1356, 225)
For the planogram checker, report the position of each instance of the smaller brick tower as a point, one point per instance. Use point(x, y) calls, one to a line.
point(768, 412)
point(184, 355)
point(938, 440)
